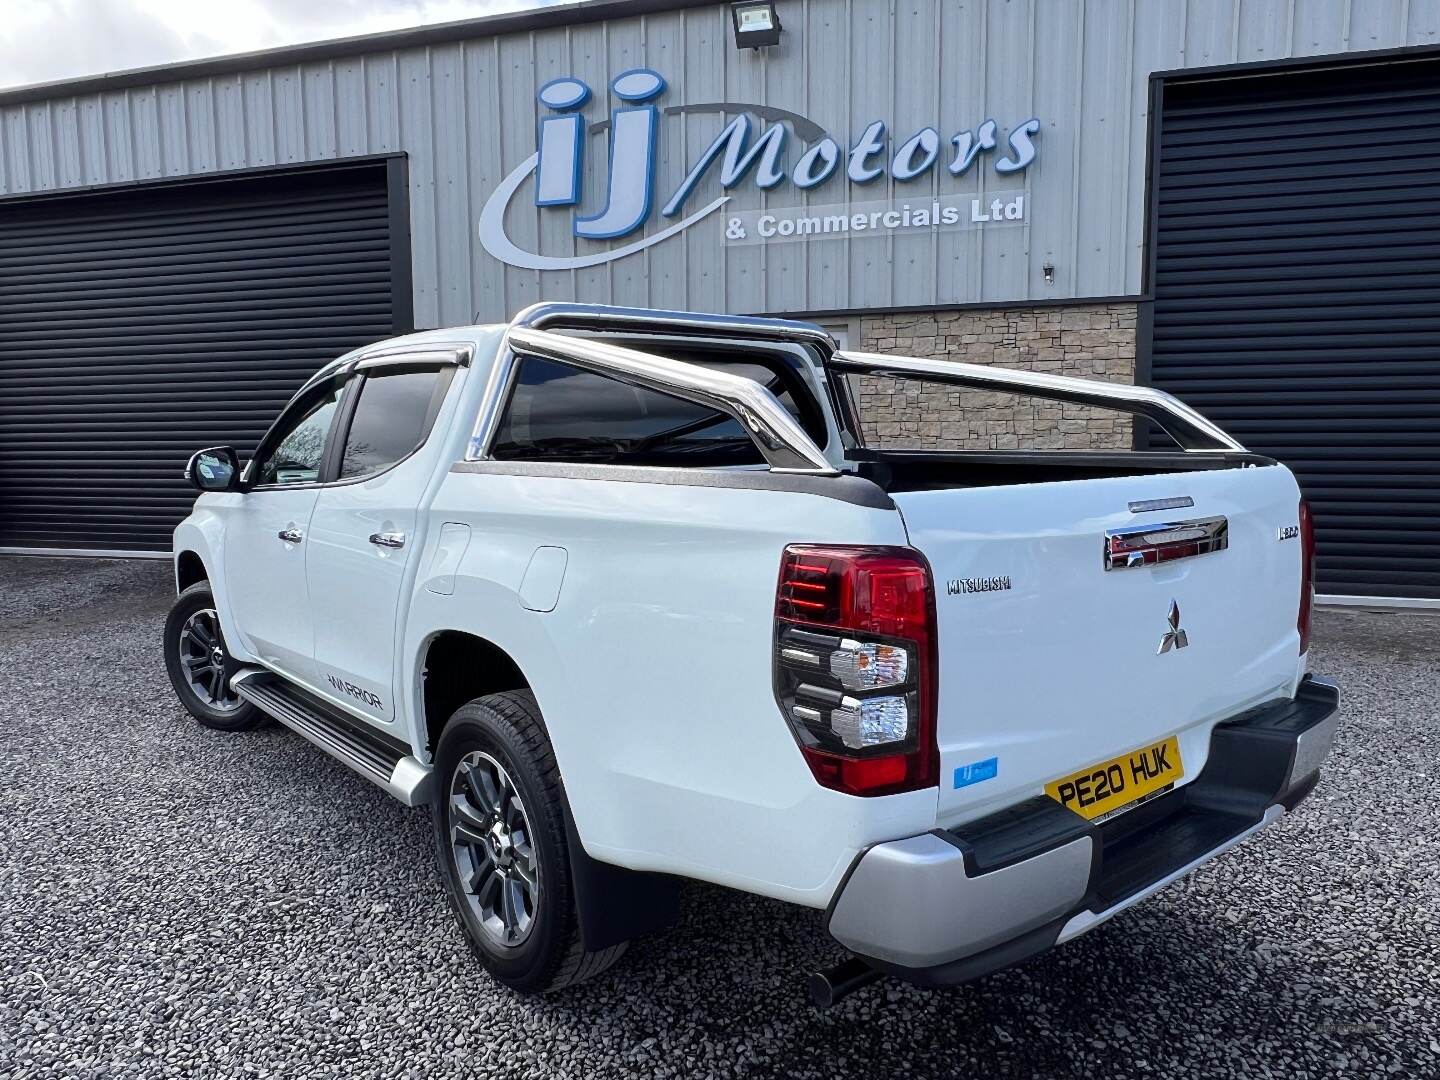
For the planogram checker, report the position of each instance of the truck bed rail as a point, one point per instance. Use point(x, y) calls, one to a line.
point(1183, 424)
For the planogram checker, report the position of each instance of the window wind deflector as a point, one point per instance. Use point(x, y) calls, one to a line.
point(768, 424)
point(414, 358)
point(1190, 430)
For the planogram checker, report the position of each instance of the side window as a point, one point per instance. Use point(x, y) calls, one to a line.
point(562, 413)
point(297, 457)
point(392, 418)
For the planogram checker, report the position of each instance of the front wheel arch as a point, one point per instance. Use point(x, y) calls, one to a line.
point(186, 653)
point(189, 570)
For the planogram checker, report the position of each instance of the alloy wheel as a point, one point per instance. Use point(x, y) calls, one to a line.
point(204, 662)
point(494, 849)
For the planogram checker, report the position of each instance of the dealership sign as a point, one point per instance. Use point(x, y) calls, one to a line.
point(742, 152)
point(895, 217)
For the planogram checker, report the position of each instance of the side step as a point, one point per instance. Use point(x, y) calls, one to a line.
point(368, 753)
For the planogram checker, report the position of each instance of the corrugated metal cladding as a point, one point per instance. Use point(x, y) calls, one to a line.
point(1297, 297)
point(139, 326)
point(466, 115)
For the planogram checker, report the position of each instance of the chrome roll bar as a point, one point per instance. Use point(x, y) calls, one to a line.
point(1182, 423)
point(783, 442)
point(551, 315)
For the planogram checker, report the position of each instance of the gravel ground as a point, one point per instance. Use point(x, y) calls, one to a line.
point(177, 902)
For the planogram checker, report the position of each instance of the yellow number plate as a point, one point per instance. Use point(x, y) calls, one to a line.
point(1113, 784)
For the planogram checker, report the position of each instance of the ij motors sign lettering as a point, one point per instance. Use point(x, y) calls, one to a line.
point(754, 147)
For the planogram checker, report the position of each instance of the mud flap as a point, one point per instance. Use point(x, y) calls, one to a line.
point(616, 904)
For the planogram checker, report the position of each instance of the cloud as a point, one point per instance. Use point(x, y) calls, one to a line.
point(45, 40)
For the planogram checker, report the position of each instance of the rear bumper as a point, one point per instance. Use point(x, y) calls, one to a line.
point(953, 905)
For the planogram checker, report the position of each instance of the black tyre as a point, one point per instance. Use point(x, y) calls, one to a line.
point(199, 664)
point(499, 814)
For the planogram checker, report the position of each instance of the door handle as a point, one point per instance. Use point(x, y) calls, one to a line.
point(388, 539)
point(291, 536)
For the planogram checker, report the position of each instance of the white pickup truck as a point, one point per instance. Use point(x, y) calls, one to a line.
point(624, 598)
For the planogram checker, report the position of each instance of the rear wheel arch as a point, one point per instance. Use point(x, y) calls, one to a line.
point(512, 834)
point(458, 667)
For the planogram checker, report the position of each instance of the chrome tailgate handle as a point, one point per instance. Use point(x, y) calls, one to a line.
point(1150, 545)
point(388, 539)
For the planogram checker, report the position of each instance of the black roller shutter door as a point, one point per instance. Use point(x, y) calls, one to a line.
point(1296, 280)
point(139, 325)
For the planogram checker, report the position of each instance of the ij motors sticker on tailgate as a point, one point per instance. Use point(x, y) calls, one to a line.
point(1114, 785)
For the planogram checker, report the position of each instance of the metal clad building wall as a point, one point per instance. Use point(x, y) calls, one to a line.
point(1297, 297)
point(137, 326)
point(465, 113)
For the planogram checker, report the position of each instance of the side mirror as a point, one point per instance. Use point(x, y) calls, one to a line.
point(215, 469)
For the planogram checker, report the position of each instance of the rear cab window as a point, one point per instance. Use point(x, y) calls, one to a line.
point(558, 412)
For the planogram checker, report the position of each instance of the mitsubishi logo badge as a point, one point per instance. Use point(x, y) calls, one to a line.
point(1174, 638)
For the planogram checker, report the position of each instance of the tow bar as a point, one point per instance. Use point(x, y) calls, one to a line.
point(829, 986)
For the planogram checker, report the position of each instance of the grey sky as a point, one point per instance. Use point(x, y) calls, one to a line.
point(43, 40)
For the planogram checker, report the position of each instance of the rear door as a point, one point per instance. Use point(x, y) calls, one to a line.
point(363, 530)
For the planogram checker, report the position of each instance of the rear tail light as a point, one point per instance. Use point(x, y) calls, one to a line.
point(1307, 574)
point(855, 669)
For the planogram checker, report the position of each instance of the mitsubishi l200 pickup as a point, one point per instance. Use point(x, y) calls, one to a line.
point(624, 598)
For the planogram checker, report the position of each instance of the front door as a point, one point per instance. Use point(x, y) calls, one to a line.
point(267, 536)
point(362, 536)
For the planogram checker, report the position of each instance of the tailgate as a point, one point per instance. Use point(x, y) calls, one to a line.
point(1050, 663)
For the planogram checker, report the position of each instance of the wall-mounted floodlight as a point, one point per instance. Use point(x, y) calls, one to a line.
point(756, 24)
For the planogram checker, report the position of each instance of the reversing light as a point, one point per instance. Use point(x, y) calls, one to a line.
point(871, 722)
